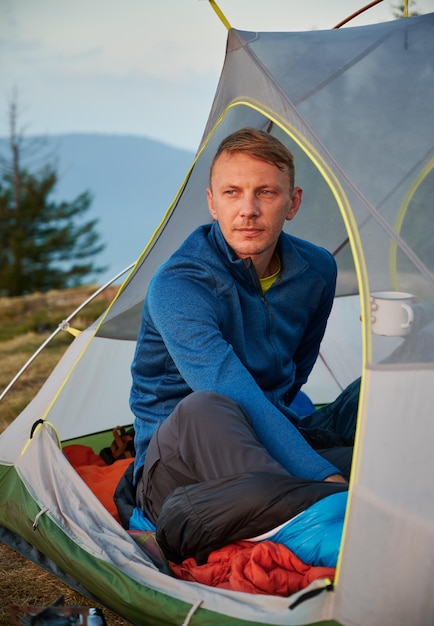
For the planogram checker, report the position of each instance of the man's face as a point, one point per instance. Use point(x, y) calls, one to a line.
point(251, 199)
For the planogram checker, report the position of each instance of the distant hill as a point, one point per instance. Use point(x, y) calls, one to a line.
point(133, 180)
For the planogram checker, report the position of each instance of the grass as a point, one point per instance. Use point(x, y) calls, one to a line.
point(14, 354)
point(24, 584)
point(25, 324)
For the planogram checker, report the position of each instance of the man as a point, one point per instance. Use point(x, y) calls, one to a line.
point(231, 329)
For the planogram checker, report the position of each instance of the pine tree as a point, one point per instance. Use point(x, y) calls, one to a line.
point(43, 244)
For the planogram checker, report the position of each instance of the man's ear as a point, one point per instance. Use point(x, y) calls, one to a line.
point(210, 200)
point(296, 198)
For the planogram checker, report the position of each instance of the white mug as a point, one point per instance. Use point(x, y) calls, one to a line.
point(391, 313)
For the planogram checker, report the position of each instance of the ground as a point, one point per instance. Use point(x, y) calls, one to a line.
point(23, 583)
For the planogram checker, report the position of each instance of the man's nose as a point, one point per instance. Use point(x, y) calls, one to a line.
point(249, 205)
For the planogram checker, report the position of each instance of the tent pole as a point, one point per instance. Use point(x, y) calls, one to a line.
point(362, 10)
point(220, 14)
point(64, 325)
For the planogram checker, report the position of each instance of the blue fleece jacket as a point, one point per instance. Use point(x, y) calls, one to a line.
point(207, 326)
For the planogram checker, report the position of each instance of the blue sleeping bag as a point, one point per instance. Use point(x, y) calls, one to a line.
point(314, 535)
point(197, 519)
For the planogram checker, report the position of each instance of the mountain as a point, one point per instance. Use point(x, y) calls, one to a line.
point(132, 179)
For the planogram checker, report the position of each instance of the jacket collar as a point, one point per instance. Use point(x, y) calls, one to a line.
point(292, 263)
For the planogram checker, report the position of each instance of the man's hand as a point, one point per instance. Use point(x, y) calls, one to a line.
point(335, 478)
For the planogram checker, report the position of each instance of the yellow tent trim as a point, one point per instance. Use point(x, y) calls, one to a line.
point(400, 219)
point(359, 263)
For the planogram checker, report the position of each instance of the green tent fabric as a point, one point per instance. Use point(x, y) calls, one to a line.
point(355, 105)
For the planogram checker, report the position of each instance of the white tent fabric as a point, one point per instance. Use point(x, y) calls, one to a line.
point(356, 108)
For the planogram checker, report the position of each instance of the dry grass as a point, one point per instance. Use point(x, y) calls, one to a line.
point(14, 354)
point(25, 323)
point(23, 583)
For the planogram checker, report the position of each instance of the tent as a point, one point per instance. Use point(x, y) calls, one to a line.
point(355, 105)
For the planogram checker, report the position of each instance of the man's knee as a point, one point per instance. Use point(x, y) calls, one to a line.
point(203, 406)
point(197, 401)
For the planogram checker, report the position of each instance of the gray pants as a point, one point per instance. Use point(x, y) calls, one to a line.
point(208, 436)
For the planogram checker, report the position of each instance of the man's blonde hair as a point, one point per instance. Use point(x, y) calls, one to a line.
point(260, 145)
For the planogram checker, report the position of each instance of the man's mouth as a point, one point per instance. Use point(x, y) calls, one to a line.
point(249, 232)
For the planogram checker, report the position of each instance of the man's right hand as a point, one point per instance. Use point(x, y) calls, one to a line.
point(335, 478)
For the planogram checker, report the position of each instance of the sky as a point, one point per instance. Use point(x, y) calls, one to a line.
point(138, 67)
